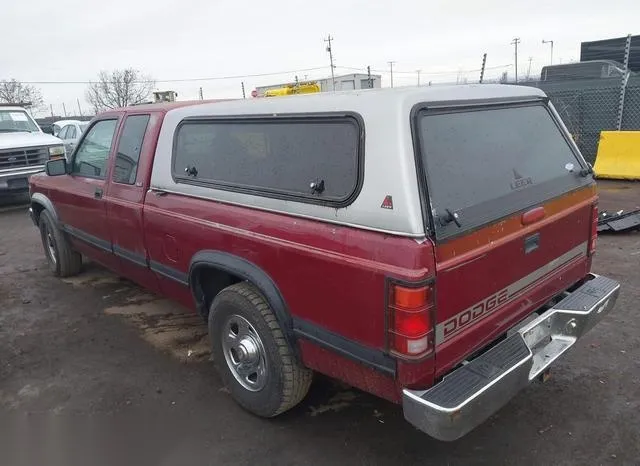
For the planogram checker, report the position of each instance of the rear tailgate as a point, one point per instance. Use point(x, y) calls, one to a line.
point(511, 206)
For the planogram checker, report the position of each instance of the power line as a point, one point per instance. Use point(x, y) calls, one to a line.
point(276, 73)
point(211, 78)
point(434, 73)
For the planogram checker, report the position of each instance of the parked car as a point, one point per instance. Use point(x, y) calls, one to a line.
point(24, 149)
point(70, 134)
point(58, 125)
point(46, 127)
point(429, 245)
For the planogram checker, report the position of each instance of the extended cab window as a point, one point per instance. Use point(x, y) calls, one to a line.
point(485, 163)
point(278, 157)
point(92, 153)
point(129, 148)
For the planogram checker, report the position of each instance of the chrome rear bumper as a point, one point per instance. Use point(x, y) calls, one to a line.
point(470, 394)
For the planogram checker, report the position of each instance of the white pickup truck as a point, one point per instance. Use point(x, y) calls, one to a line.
point(24, 149)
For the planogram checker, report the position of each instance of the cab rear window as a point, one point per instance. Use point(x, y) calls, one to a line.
point(485, 163)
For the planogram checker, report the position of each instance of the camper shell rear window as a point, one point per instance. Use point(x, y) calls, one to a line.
point(483, 163)
point(316, 159)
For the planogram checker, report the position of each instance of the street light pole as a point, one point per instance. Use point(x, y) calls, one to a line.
point(550, 42)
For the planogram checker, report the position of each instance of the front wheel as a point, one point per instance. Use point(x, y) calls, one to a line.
point(251, 354)
point(63, 260)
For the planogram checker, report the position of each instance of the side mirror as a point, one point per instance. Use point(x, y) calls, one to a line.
point(56, 167)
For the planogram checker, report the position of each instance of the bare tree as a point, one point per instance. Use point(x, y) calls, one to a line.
point(119, 88)
point(14, 91)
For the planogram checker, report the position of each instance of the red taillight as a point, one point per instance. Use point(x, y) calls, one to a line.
point(410, 320)
point(594, 230)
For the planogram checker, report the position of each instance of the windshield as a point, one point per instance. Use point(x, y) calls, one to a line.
point(83, 126)
point(16, 121)
point(486, 163)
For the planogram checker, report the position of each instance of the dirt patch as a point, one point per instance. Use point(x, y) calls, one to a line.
point(166, 326)
point(93, 277)
point(337, 402)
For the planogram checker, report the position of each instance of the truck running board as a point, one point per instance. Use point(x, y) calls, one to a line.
point(470, 394)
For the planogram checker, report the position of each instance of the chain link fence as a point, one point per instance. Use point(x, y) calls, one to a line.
point(589, 106)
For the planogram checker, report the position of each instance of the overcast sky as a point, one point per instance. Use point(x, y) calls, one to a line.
point(71, 40)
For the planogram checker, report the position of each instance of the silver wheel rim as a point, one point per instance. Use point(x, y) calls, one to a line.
point(244, 353)
point(51, 247)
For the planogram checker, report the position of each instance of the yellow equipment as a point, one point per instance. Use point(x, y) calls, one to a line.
point(291, 89)
point(618, 155)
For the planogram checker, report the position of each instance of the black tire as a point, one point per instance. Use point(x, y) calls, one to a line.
point(286, 382)
point(63, 260)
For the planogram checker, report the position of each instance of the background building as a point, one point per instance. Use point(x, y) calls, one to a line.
point(612, 49)
point(345, 82)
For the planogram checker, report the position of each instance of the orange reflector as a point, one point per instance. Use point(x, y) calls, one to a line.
point(410, 298)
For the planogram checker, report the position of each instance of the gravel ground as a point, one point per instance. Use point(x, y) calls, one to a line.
point(94, 370)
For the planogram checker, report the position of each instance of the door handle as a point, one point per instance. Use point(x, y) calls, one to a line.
point(98, 193)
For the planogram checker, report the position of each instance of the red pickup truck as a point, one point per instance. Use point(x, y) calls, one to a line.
point(431, 246)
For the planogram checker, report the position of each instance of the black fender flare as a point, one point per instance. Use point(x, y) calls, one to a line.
point(251, 273)
point(45, 202)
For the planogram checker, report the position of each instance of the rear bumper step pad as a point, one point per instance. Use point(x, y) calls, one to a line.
point(470, 394)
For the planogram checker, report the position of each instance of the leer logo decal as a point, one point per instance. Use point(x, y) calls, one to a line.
point(520, 181)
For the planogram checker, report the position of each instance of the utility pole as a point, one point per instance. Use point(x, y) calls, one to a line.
point(330, 50)
point(51, 108)
point(369, 80)
point(243, 94)
point(418, 71)
point(624, 81)
point(484, 63)
point(200, 93)
point(515, 43)
point(529, 69)
point(64, 109)
point(79, 109)
point(391, 67)
point(550, 42)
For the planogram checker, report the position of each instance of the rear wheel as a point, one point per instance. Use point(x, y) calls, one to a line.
point(251, 354)
point(63, 260)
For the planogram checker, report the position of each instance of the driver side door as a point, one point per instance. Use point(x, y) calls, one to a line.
point(80, 205)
